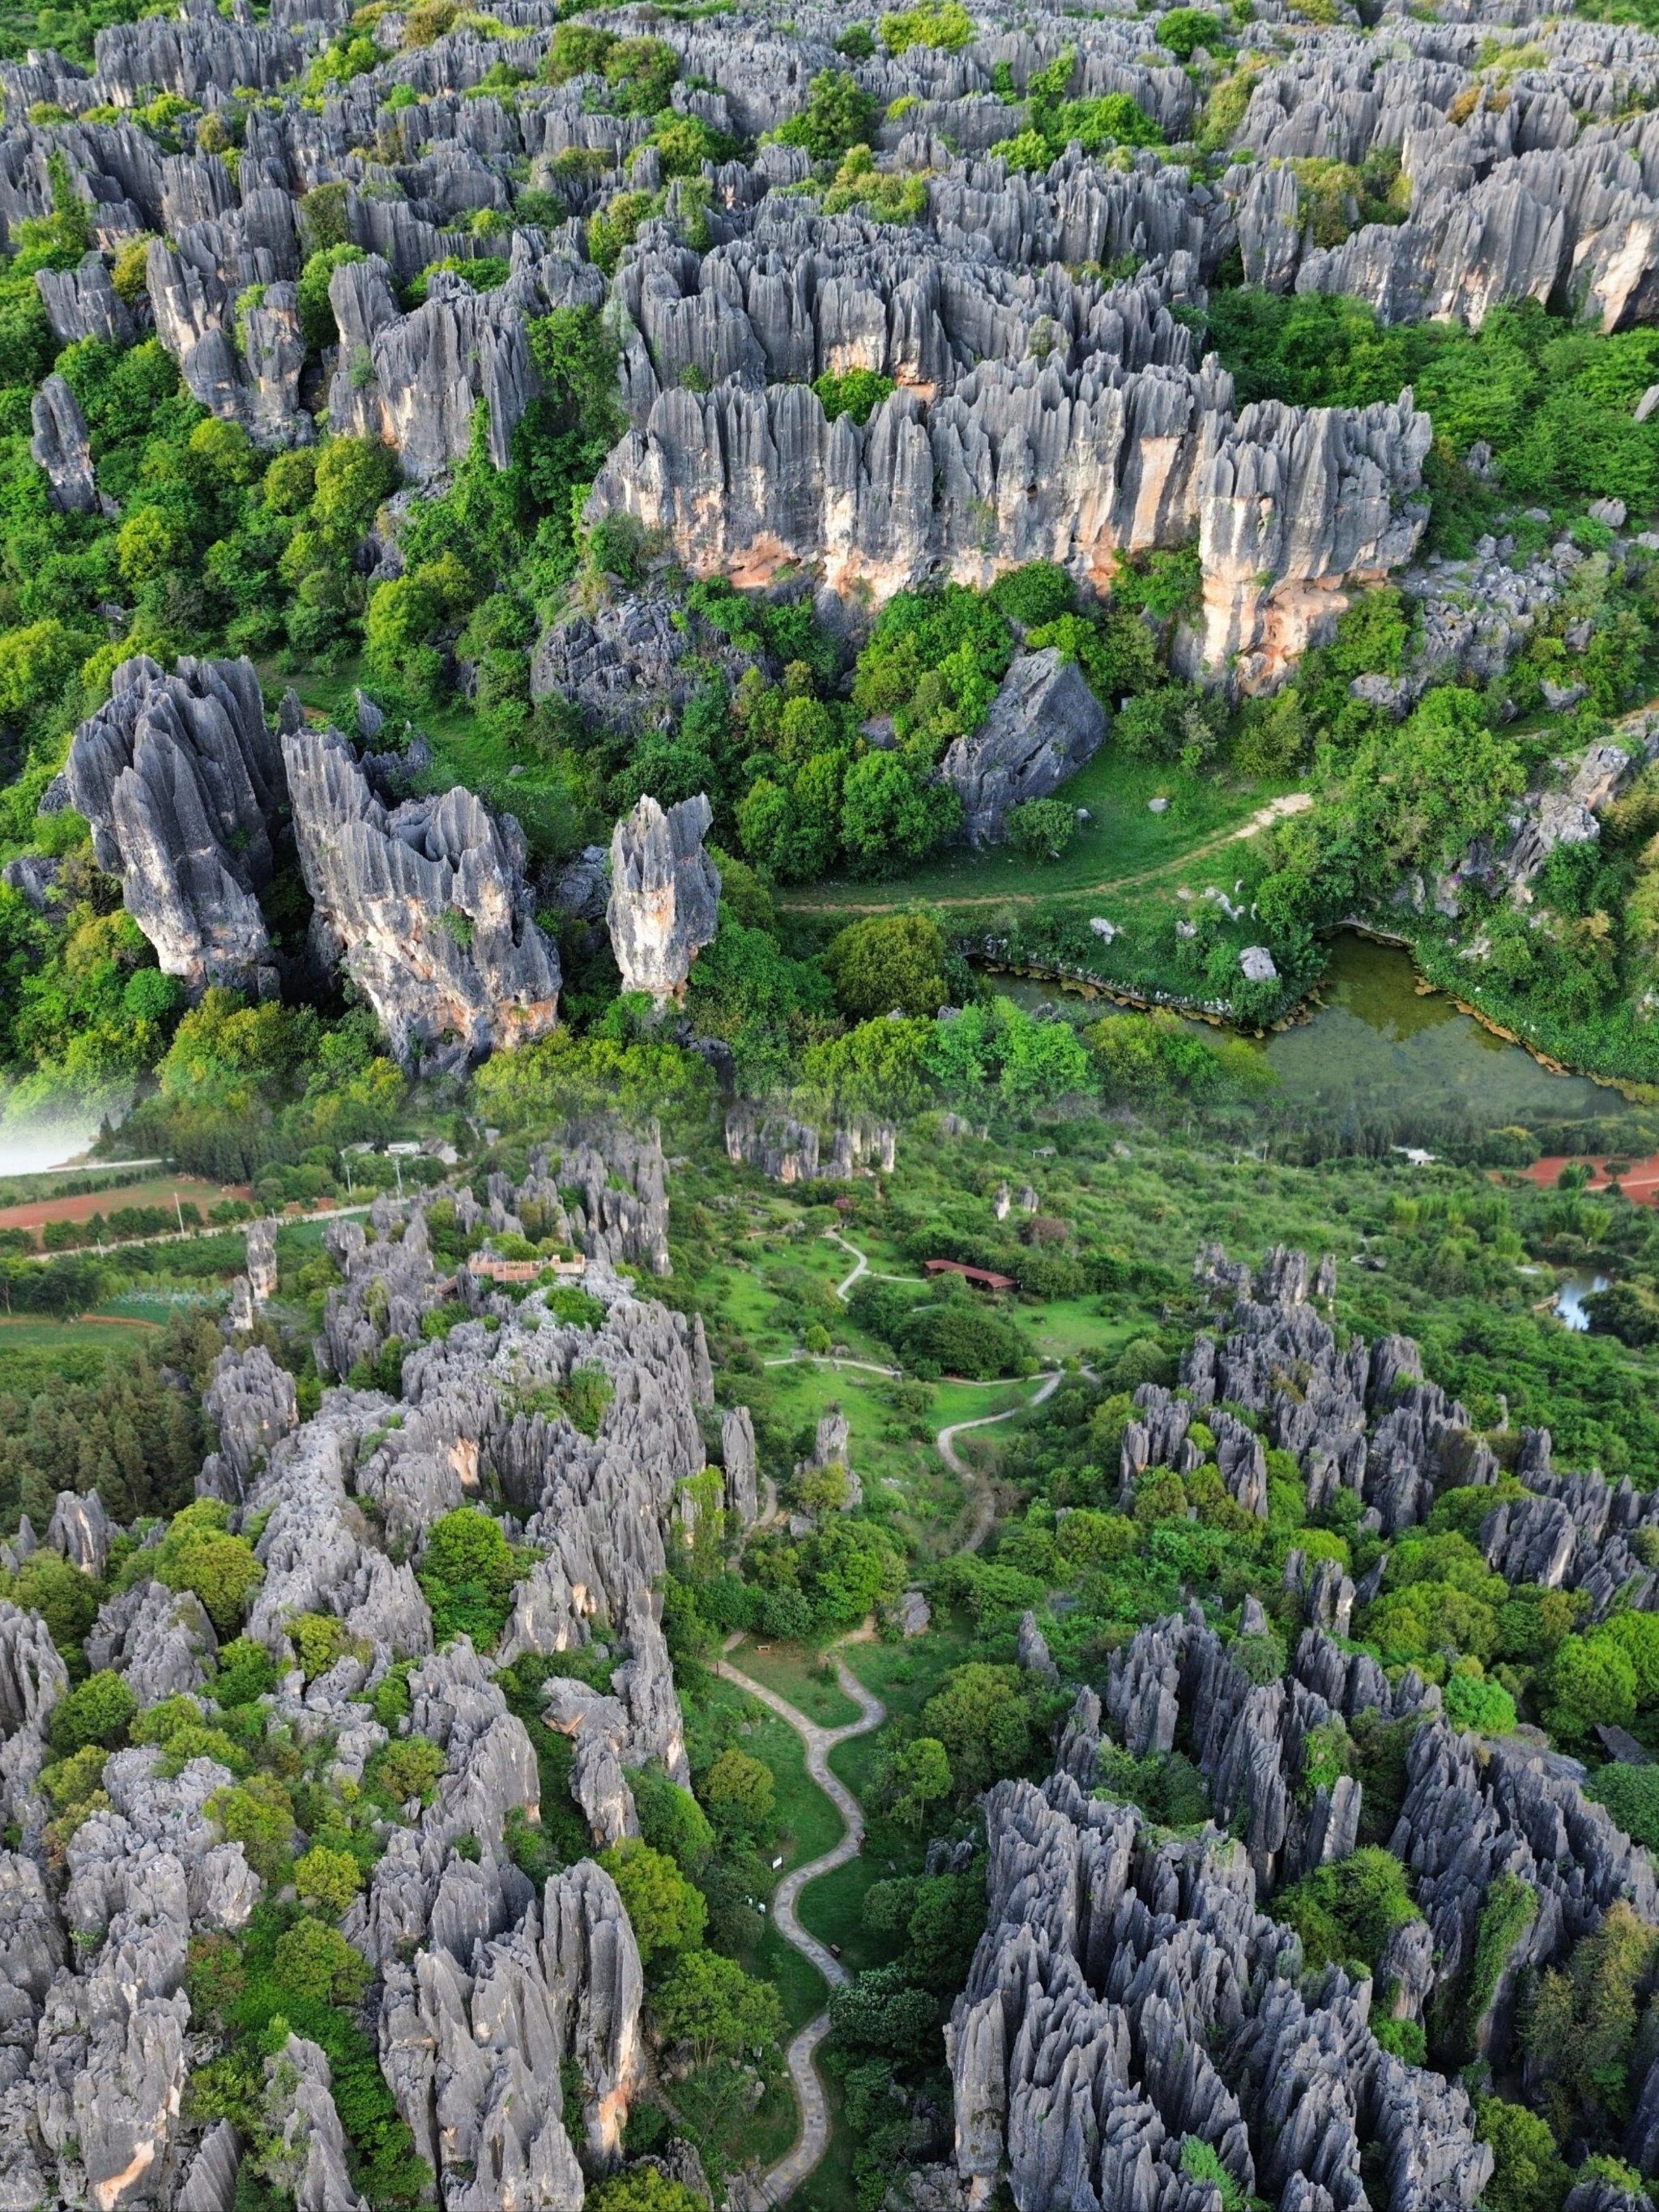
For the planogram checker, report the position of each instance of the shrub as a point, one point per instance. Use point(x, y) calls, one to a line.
point(408, 1768)
point(98, 1712)
point(1345, 1912)
point(468, 1572)
point(854, 391)
point(259, 1814)
point(1474, 1703)
point(316, 1964)
point(1630, 1793)
point(328, 1878)
point(1041, 828)
point(838, 114)
point(246, 1671)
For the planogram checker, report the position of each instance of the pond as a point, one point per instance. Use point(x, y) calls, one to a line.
point(1570, 1299)
point(1377, 1044)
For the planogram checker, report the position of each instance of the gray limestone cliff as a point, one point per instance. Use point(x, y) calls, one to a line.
point(664, 894)
point(182, 781)
point(426, 906)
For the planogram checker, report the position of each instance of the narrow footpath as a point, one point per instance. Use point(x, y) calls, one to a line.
point(985, 1504)
point(785, 2178)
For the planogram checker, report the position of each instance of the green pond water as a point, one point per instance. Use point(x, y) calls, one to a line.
point(1374, 1043)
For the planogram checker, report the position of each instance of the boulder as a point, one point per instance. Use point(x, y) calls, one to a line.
point(1044, 725)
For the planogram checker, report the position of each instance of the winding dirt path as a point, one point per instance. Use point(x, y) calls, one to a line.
point(1276, 810)
point(786, 2175)
point(985, 1505)
point(844, 1288)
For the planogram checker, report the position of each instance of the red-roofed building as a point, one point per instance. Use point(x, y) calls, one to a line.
point(982, 1279)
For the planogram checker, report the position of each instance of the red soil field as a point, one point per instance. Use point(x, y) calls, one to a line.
point(154, 1190)
point(1640, 1184)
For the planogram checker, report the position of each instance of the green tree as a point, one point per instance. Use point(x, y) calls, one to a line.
point(710, 2003)
point(890, 815)
point(1345, 1912)
point(921, 1779)
point(408, 1767)
point(985, 1721)
point(740, 1791)
point(328, 1878)
point(65, 1599)
point(259, 1814)
point(1589, 1680)
point(642, 2188)
point(1474, 1703)
point(839, 113)
point(672, 1820)
point(97, 1711)
point(879, 1068)
point(314, 1963)
point(1630, 1793)
point(199, 1554)
point(889, 961)
point(468, 1571)
point(666, 1912)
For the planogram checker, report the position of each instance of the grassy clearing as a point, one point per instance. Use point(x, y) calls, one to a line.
point(1122, 839)
point(903, 1676)
point(39, 1355)
point(794, 1672)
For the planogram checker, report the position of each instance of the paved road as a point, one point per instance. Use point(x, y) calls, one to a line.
point(114, 1250)
point(774, 2186)
point(844, 1288)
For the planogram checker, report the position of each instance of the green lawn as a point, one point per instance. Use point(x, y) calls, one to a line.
point(38, 1355)
point(1122, 838)
point(794, 1671)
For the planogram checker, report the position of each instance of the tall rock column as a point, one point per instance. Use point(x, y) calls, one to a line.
point(182, 783)
point(664, 894)
point(427, 905)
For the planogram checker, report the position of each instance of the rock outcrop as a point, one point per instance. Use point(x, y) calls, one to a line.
point(664, 894)
point(790, 1152)
point(426, 907)
point(1044, 725)
point(182, 781)
point(62, 446)
point(1129, 1994)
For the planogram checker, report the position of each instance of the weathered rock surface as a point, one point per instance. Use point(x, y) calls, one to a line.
point(62, 445)
point(1044, 725)
point(664, 894)
point(1129, 1993)
point(426, 906)
point(182, 781)
point(790, 1152)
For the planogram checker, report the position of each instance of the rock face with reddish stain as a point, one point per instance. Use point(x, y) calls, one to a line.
point(426, 907)
point(1033, 416)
